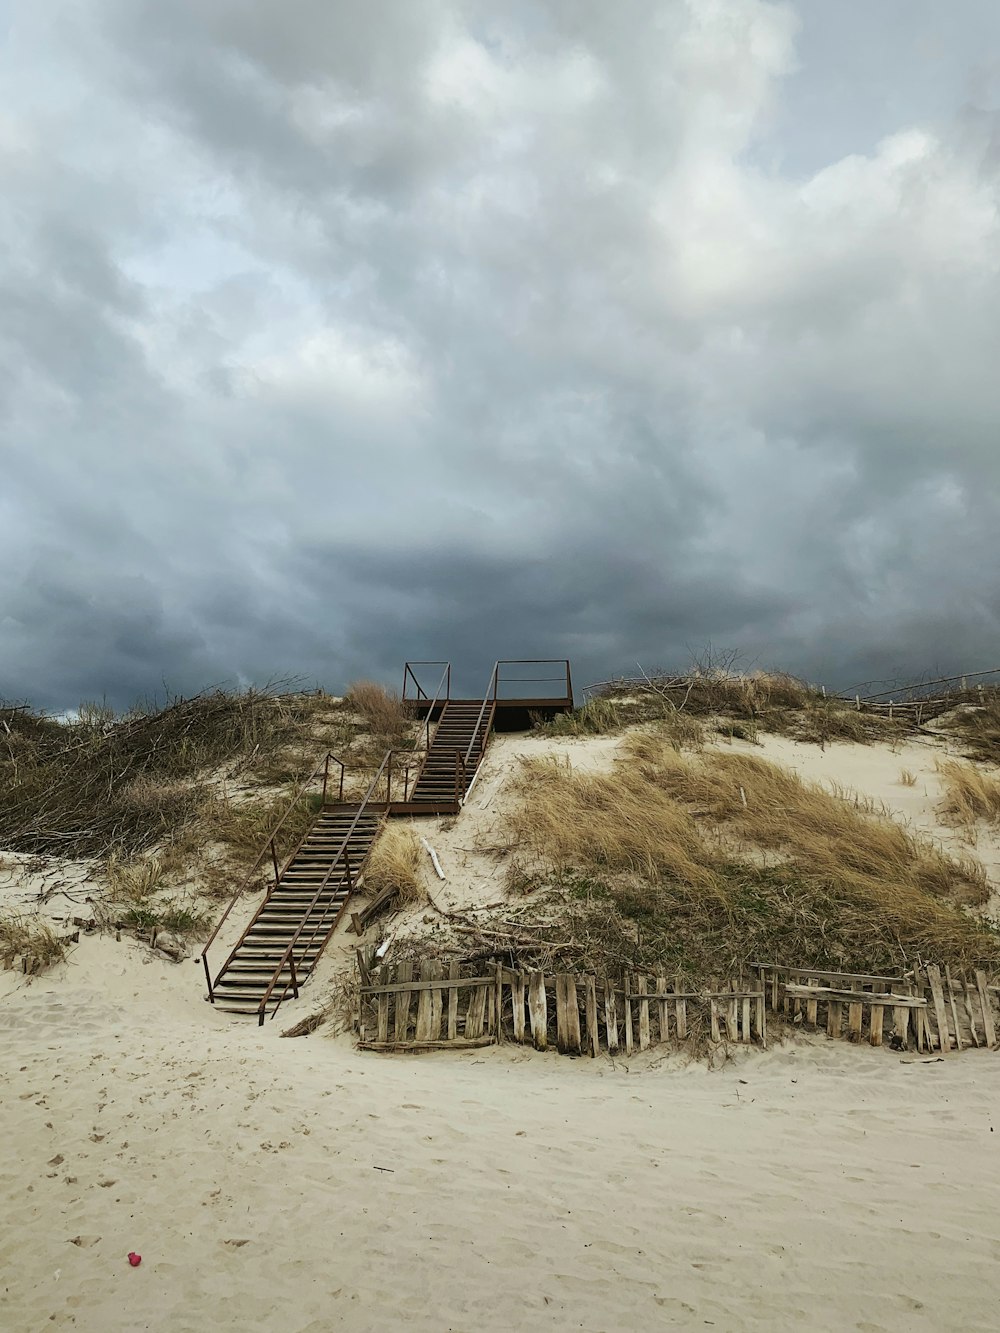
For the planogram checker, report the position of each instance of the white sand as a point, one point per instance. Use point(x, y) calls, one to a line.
point(821, 1187)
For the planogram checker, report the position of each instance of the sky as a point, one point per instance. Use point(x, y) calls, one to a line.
point(339, 332)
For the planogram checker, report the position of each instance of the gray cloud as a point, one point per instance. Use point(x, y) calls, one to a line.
point(332, 334)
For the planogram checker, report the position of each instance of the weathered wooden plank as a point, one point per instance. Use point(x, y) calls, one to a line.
point(834, 1018)
point(940, 1013)
point(422, 1030)
point(611, 1017)
point(900, 1023)
point(593, 1036)
point(402, 992)
point(713, 1013)
point(453, 972)
point(662, 1010)
point(538, 1010)
point(988, 1025)
point(562, 1013)
point(877, 1029)
point(641, 989)
point(475, 1013)
point(812, 1007)
point(498, 1002)
point(745, 1029)
point(732, 1026)
point(517, 1004)
point(439, 983)
point(761, 1011)
point(382, 1029)
point(854, 1014)
point(954, 1008)
point(461, 1043)
point(573, 1038)
point(969, 1011)
point(628, 1014)
point(437, 973)
point(774, 990)
point(856, 997)
point(680, 1010)
point(818, 974)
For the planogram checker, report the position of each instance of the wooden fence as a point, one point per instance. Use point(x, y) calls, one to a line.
point(430, 1006)
point(925, 1010)
point(435, 1005)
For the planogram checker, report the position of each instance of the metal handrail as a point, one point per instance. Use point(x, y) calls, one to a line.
point(341, 852)
point(421, 692)
point(492, 685)
point(446, 673)
point(269, 846)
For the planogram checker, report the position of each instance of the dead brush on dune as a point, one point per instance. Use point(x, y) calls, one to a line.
point(968, 793)
point(723, 859)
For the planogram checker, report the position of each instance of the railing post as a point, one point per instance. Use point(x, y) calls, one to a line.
point(295, 984)
point(342, 770)
point(274, 859)
point(326, 774)
point(447, 693)
point(347, 871)
point(208, 978)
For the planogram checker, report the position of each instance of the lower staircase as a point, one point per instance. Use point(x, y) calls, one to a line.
point(453, 756)
point(324, 862)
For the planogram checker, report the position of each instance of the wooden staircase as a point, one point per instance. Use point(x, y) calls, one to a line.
point(302, 910)
point(453, 756)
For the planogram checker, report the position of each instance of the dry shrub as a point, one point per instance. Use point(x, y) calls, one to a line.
point(385, 715)
point(681, 846)
point(28, 937)
point(394, 863)
point(968, 793)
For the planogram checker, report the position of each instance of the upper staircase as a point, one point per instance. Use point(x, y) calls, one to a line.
point(453, 756)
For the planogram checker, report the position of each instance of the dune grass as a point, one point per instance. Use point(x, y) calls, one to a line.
point(30, 938)
point(979, 727)
point(968, 793)
point(724, 858)
point(394, 863)
point(387, 719)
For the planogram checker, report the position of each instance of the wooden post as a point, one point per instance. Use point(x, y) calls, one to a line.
point(611, 1017)
point(661, 986)
point(628, 1014)
point(593, 1037)
point(573, 1015)
point(498, 993)
point(714, 1011)
point(517, 1005)
point(970, 1013)
point(383, 1009)
point(641, 987)
point(984, 1001)
point(402, 1029)
point(877, 1024)
point(954, 1008)
point(812, 1007)
point(745, 1034)
point(732, 1026)
point(854, 1015)
point(453, 973)
point(680, 1012)
point(834, 1017)
point(940, 1014)
point(538, 1010)
point(422, 1031)
point(475, 1014)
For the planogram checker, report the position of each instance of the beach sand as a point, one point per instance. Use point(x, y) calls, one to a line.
point(298, 1184)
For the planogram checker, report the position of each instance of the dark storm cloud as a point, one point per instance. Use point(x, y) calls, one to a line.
point(332, 334)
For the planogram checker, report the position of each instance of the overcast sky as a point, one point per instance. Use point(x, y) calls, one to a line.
point(336, 332)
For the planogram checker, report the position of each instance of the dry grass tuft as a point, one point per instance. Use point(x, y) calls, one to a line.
point(906, 778)
point(29, 938)
point(387, 718)
point(968, 793)
point(979, 728)
point(394, 864)
point(724, 857)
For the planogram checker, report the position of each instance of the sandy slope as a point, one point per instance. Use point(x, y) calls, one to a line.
point(822, 1187)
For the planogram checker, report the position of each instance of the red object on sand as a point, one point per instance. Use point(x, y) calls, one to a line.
point(134, 1259)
